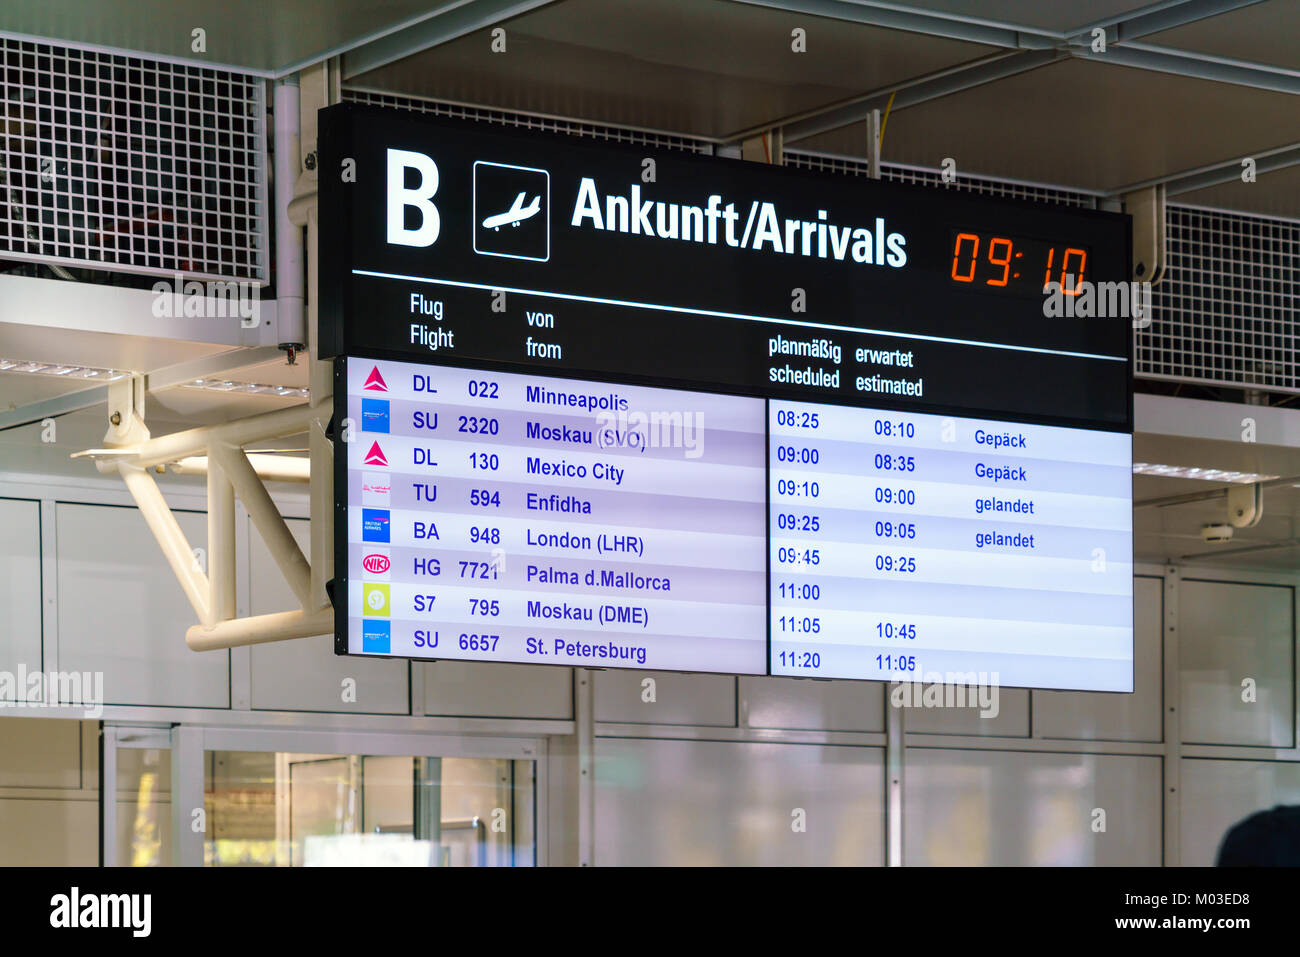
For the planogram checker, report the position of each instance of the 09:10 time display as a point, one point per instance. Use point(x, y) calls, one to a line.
point(1017, 264)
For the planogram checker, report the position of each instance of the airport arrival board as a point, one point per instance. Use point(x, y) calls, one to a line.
point(613, 406)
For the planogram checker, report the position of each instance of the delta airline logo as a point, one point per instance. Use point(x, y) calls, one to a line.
point(377, 563)
point(376, 456)
point(375, 382)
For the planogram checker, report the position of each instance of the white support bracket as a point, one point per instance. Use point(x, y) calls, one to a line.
point(218, 452)
point(1147, 207)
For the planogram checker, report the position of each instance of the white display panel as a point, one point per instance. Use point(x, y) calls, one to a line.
point(912, 547)
point(521, 518)
point(500, 517)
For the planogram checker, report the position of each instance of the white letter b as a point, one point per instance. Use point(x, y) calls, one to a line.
point(399, 197)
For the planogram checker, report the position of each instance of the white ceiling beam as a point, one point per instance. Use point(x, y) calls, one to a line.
point(92, 307)
point(449, 22)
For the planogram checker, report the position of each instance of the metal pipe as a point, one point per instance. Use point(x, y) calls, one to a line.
point(221, 545)
point(1187, 498)
point(170, 538)
point(257, 500)
point(275, 468)
point(289, 274)
point(278, 626)
point(255, 428)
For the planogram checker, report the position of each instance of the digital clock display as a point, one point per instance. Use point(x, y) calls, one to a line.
point(1017, 264)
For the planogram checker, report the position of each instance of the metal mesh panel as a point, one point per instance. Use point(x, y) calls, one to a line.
point(549, 124)
point(898, 173)
point(128, 164)
point(1226, 312)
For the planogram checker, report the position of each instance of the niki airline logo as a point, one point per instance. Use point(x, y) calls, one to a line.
point(375, 382)
point(377, 563)
point(376, 456)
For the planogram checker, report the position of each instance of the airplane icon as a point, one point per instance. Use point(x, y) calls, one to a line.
point(515, 214)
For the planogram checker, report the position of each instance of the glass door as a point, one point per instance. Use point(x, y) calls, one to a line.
point(260, 797)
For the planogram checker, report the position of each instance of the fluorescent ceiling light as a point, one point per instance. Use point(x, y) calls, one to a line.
point(1208, 475)
point(62, 369)
point(248, 388)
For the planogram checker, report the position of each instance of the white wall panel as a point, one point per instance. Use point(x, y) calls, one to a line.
point(706, 700)
point(304, 674)
point(731, 803)
point(973, 807)
point(40, 752)
point(1218, 794)
point(495, 690)
point(805, 705)
point(1011, 719)
point(1116, 717)
point(49, 833)
point(1230, 632)
point(20, 590)
point(122, 612)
